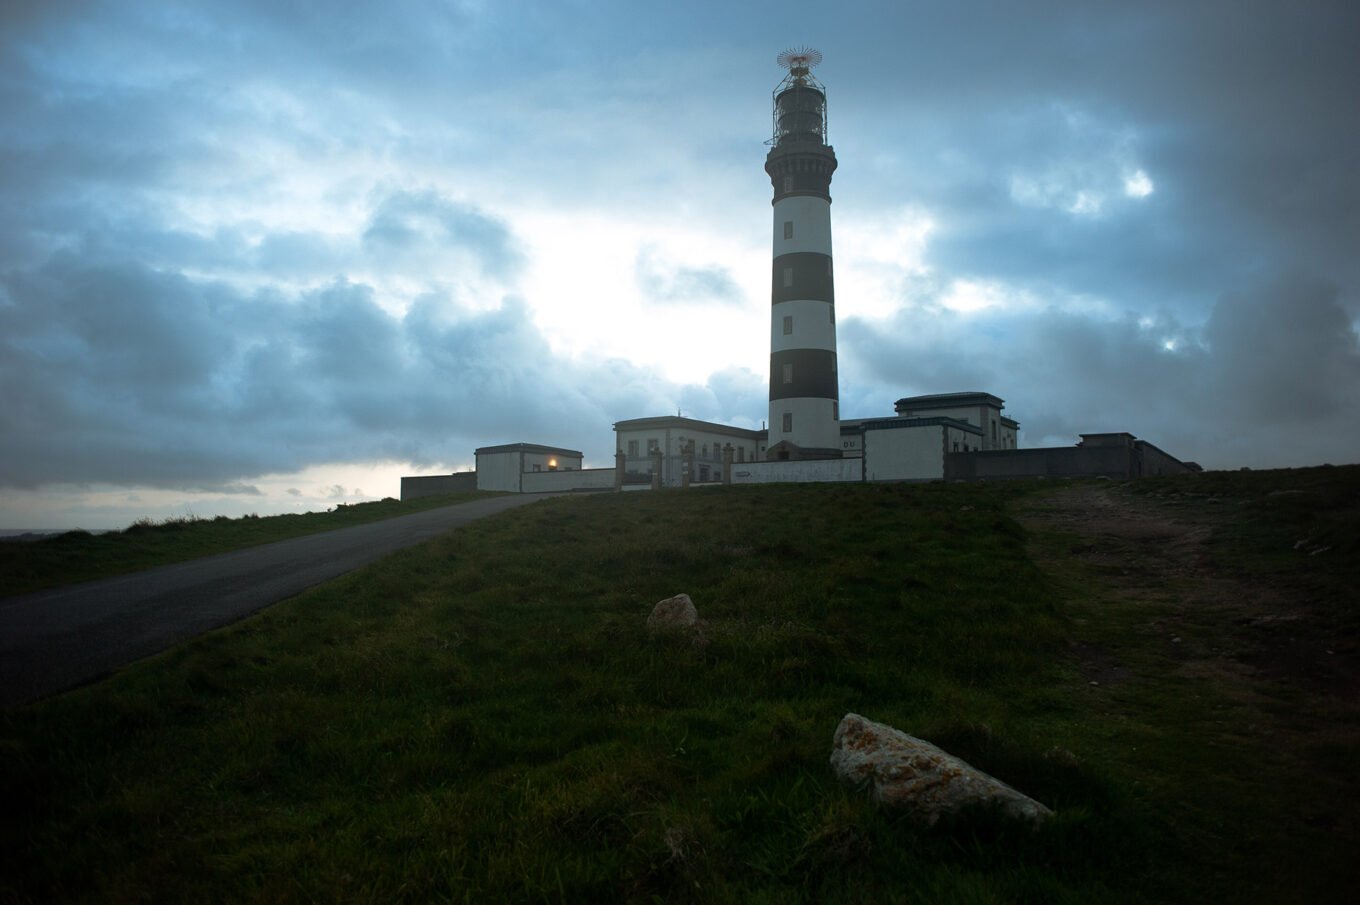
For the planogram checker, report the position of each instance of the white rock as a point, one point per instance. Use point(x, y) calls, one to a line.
point(673, 612)
point(903, 771)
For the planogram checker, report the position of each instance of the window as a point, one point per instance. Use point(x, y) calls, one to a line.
point(788, 422)
point(832, 310)
point(704, 454)
point(956, 446)
point(537, 467)
point(788, 229)
point(632, 449)
point(788, 325)
point(993, 431)
point(788, 373)
point(741, 454)
point(835, 410)
point(788, 183)
point(788, 276)
point(651, 446)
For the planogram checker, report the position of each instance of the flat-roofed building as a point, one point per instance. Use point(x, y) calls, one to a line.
point(503, 467)
point(982, 410)
point(675, 435)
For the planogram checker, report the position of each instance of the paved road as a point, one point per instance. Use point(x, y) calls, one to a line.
point(54, 640)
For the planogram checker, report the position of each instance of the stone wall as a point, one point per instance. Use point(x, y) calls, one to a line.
point(558, 481)
point(798, 470)
point(438, 485)
point(1122, 462)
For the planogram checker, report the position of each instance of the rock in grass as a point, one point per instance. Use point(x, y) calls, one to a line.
point(673, 612)
point(904, 771)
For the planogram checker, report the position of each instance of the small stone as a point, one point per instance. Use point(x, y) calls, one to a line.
point(903, 771)
point(1176, 640)
point(1059, 755)
point(673, 612)
point(1094, 682)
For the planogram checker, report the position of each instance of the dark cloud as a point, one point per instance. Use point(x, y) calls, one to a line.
point(411, 229)
point(1241, 116)
point(1285, 347)
point(236, 489)
point(664, 280)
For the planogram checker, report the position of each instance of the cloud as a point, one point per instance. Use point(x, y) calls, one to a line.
point(233, 489)
point(1272, 378)
point(1285, 347)
point(116, 373)
point(417, 229)
point(667, 281)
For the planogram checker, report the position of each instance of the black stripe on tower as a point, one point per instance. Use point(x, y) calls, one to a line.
point(812, 374)
point(802, 275)
point(805, 168)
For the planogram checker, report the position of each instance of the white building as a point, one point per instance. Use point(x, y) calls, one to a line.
point(982, 410)
point(504, 467)
point(675, 438)
point(912, 446)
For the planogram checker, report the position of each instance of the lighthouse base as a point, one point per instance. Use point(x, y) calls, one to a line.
point(788, 451)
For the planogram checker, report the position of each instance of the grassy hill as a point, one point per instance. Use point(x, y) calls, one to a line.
point(1169, 664)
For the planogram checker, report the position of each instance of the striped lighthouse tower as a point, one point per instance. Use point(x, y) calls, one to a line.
point(804, 397)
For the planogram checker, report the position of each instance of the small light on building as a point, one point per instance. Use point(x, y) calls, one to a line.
point(552, 463)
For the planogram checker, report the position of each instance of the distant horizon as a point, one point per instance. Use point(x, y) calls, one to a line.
point(115, 527)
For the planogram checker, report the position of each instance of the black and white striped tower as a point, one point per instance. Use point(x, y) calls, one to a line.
point(804, 397)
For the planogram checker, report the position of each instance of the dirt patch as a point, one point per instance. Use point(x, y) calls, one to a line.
point(1154, 558)
point(1225, 649)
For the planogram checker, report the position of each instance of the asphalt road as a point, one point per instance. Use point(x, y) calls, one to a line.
point(56, 639)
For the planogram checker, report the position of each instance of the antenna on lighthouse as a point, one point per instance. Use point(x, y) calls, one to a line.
point(796, 58)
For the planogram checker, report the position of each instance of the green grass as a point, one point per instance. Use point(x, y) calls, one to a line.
point(485, 718)
point(81, 556)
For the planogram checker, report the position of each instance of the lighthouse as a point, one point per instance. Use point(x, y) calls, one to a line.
point(804, 394)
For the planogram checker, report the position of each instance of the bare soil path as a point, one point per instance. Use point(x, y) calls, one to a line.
point(59, 638)
point(1236, 687)
point(1158, 556)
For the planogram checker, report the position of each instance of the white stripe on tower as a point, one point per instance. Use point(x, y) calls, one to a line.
point(804, 394)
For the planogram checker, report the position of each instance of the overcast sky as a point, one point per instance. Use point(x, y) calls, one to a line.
point(268, 256)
